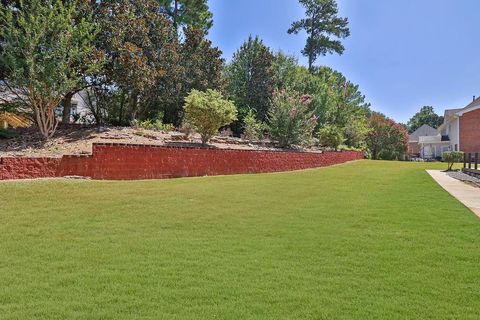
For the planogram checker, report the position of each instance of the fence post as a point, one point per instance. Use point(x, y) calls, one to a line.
point(464, 161)
point(469, 161)
point(476, 161)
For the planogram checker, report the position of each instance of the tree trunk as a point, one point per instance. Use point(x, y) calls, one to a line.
point(205, 139)
point(46, 121)
point(175, 16)
point(67, 107)
point(132, 105)
point(312, 36)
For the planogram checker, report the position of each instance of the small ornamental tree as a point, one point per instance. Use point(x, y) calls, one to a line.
point(452, 157)
point(45, 47)
point(207, 112)
point(330, 136)
point(387, 140)
point(291, 122)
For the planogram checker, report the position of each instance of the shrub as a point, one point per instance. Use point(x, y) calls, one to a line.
point(451, 157)
point(157, 124)
point(252, 128)
point(208, 111)
point(330, 136)
point(291, 122)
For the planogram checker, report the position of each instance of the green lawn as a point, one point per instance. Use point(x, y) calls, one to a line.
point(367, 240)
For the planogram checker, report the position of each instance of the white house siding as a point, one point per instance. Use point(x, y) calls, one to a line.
point(433, 150)
point(453, 129)
point(79, 99)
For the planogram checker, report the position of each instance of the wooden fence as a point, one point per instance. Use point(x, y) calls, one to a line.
point(470, 164)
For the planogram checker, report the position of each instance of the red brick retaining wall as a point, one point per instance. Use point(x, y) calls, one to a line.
point(132, 162)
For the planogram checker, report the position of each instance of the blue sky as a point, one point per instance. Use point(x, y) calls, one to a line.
point(403, 53)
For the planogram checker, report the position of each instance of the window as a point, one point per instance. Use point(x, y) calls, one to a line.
point(456, 147)
point(73, 108)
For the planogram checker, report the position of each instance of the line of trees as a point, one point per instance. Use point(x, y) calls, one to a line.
point(139, 59)
point(136, 58)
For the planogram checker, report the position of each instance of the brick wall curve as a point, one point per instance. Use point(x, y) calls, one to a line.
point(137, 162)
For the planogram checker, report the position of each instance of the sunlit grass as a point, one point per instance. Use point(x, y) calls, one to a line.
point(367, 240)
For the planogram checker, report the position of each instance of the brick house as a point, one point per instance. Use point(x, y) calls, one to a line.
point(460, 131)
point(462, 127)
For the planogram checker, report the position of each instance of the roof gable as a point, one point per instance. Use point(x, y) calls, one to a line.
point(424, 130)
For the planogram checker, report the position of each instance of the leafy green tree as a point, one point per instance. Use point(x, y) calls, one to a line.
point(142, 55)
point(346, 108)
point(330, 136)
point(208, 111)
point(149, 71)
point(426, 115)
point(188, 13)
point(285, 69)
point(250, 78)
point(387, 139)
point(44, 43)
point(323, 27)
point(356, 132)
point(202, 61)
point(84, 8)
point(252, 128)
point(334, 99)
point(201, 65)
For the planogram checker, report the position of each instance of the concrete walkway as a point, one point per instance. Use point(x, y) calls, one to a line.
point(468, 195)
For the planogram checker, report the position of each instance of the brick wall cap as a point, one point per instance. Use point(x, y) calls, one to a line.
point(190, 147)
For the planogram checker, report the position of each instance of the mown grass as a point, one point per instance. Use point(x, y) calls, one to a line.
point(367, 240)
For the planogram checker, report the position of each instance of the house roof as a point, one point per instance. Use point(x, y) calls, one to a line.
point(451, 112)
point(474, 105)
point(424, 130)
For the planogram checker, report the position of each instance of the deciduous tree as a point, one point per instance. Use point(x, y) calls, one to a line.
point(199, 67)
point(387, 139)
point(142, 51)
point(426, 115)
point(188, 13)
point(43, 44)
point(250, 78)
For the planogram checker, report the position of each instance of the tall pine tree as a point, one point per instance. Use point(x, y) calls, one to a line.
point(323, 27)
point(188, 13)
